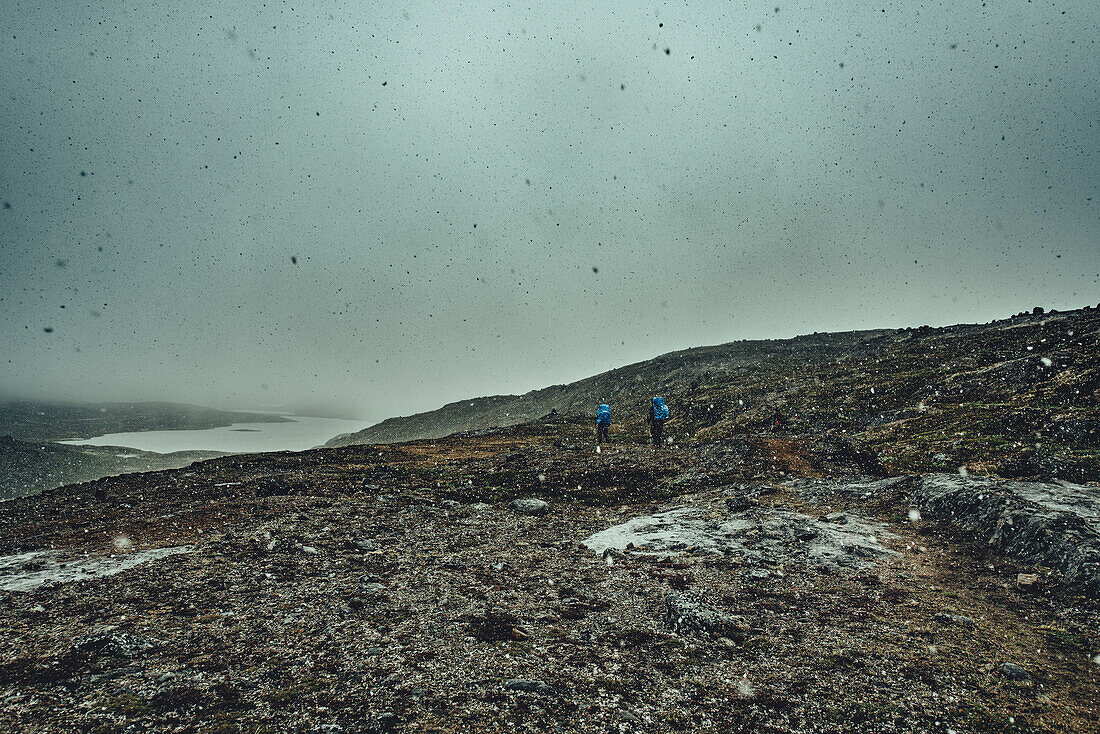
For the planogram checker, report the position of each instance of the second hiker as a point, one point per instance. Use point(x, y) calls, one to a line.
point(603, 421)
point(658, 414)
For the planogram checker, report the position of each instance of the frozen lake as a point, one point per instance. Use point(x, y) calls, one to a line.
point(299, 433)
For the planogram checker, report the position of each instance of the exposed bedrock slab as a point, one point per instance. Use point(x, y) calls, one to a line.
point(762, 536)
point(1053, 524)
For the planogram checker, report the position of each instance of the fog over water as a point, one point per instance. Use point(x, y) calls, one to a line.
point(378, 208)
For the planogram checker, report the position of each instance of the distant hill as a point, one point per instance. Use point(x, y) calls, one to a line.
point(39, 421)
point(1018, 393)
point(31, 463)
point(29, 467)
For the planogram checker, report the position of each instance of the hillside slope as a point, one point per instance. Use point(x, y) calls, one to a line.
point(1029, 382)
point(743, 583)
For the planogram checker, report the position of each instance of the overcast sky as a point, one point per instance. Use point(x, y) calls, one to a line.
point(394, 205)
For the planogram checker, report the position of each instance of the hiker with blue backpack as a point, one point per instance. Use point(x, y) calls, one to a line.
point(603, 421)
point(658, 414)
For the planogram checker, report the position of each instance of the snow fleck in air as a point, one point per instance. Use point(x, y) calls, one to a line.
point(1096, 660)
point(745, 689)
point(598, 450)
point(963, 471)
point(914, 515)
point(872, 391)
point(1046, 361)
point(122, 543)
point(1030, 348)
point(741, 403)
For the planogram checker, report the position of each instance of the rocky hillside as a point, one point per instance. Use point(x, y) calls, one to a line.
point(1016, 397)
point(521, 580)
point(914, 548)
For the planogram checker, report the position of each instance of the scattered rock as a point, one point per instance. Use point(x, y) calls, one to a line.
point(363, 544)
point(530, 506)
point(1026, 580)
point(956, 619)
point(1012, 671)
point(739, 503)
point(527, 686)
point(686, 615)
point(384, 722)
point(496, 625)
point(110, 641)
point(274, 487)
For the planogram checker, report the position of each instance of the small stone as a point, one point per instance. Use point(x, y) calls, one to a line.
point(527, 686)
point(1012, 671)
point(310, 550)
point(530, 506)
point(805, 532)
point(958, 619)
point(738, 503)
point(685, 614)
point(1026, 580)
point(835, 517)
point(363, 544)
point(383, 722)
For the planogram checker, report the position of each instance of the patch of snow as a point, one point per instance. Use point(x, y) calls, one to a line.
point(28, 571)
point(775, 535)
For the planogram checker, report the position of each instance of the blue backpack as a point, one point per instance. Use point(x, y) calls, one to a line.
point(603, 414)
point(660, 410)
